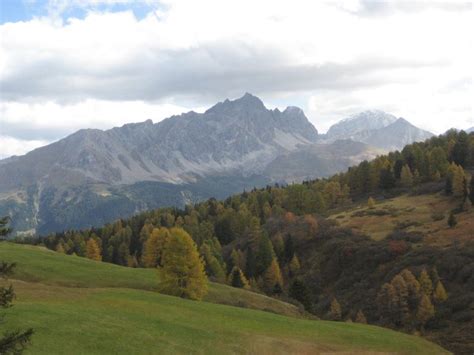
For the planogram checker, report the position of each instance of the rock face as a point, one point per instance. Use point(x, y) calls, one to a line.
point(92, 176)
point(378, 129)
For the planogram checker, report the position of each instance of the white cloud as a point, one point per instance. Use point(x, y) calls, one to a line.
point(25, 119)
point(337, 57)
point(13, 146)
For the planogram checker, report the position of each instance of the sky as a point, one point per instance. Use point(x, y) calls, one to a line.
point(72, 64)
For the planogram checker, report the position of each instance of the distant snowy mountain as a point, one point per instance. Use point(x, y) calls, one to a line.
point(470, 130)
point(378, 129)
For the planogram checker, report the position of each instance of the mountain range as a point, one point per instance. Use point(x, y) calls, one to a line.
point(92, 176)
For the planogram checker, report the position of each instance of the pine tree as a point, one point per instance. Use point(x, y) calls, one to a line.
point(425, 311)
point(406, 177)
point(440, 294)
point(426, 284)
point(335, 312)
point(182, 273)
point(272, 279)
point(452, 220)
point(360, 317)
point(12, 341)
point(237, 279)
point(93, 250)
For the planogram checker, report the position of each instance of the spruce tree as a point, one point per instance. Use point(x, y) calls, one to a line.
point(471, 190)
point(250, 263)
point(300, 292)
point(237, 279)
point(265, 254)
point(12, 341)
point(289, 248)
point(452, 220)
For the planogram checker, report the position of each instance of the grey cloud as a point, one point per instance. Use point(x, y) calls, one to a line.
point(208, 71)
point(381, 8)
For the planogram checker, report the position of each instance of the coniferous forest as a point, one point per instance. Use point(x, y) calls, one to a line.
point(283, 241)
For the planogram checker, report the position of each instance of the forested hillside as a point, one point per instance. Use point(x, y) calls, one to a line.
point(412, 275)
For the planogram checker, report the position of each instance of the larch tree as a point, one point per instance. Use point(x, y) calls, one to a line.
point(371, 203)
point(406, 176)
point(153, 247)
point(402, 311)
point(294, 266)
point(93, 250)
point(360, 317)
point(426, 284)
point(425, 311)
point(440, 294)
point(12, 341)
point(413, 288)
point(335, 312)
point(182, 272)
point(273, 281)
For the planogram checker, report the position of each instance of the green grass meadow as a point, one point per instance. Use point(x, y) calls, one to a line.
point(78, 306)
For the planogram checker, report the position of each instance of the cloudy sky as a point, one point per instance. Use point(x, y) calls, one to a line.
point(71, 64)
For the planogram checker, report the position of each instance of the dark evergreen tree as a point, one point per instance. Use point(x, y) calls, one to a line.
point(250, 263)
point(12, 341)
point(471, 190)
point(289, 248)
point(265, 254)
point(397, 168)
point(387, 179)
point(461, 149)
point(452, 221)
point(300, 292)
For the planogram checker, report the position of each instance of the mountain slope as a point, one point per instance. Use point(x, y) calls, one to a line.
point(127, 320)
point(92, 177)
point(378, 129)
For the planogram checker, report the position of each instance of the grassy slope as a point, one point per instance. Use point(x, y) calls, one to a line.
point(52, 268)
point(414, 212)
point(78, 306)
